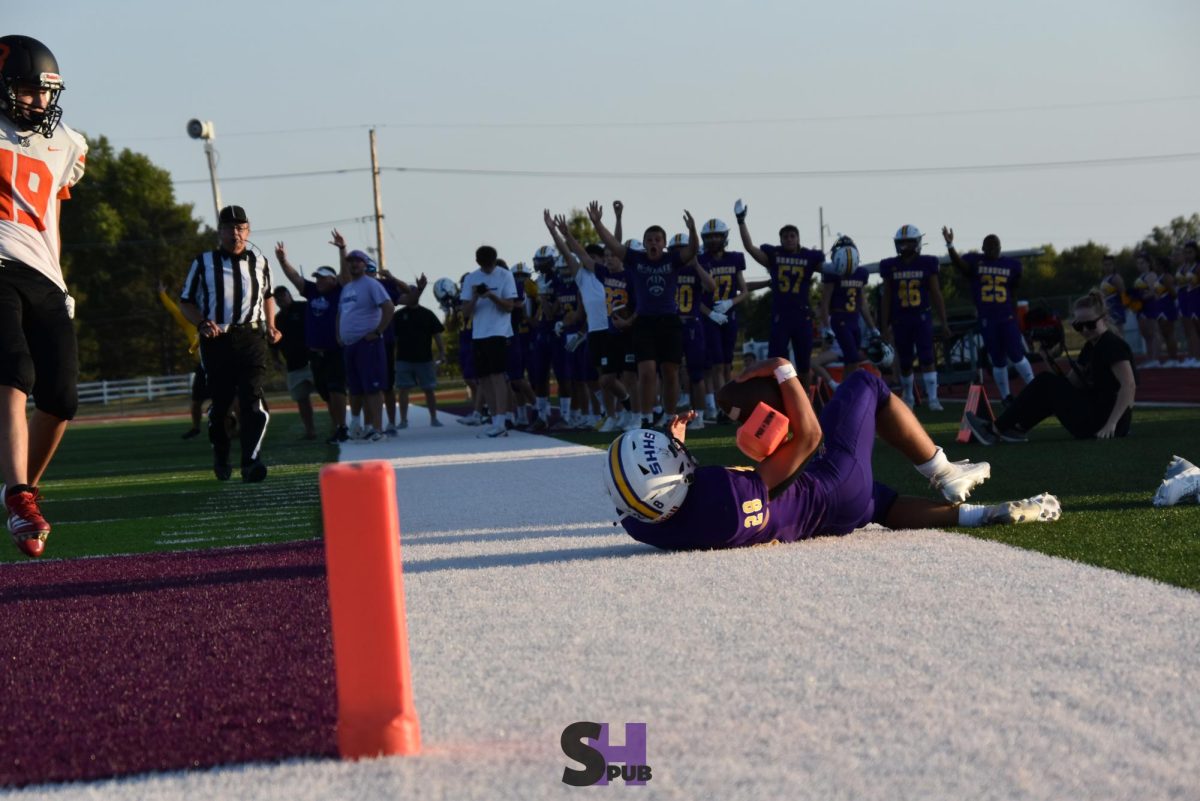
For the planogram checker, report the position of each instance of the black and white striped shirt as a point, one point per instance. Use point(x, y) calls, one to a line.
point(228, 289)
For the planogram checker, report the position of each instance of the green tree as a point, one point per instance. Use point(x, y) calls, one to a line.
point(581, 228)
point(123, 232)
point(1163, 240)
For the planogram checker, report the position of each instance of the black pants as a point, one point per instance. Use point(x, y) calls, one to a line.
point(1082, 412)
point(38, 352)
point(236, 366)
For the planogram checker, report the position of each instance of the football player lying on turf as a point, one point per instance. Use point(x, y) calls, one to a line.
point(666, 500)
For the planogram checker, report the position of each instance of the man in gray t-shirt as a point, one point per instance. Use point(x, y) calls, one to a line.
point(364, 313)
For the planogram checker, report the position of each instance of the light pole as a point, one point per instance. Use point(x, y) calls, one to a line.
point(198, 129)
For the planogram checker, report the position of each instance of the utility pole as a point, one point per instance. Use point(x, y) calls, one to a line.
point(198, 129)
point(378, 203)
point(821, 219)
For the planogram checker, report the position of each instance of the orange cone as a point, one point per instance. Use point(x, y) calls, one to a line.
point(376, 715)
point(977, 403)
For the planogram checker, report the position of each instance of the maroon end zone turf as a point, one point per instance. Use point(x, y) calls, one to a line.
point(132, 664)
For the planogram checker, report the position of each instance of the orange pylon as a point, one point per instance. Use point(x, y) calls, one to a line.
point(376, 715)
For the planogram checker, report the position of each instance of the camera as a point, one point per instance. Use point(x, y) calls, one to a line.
point(482, 289)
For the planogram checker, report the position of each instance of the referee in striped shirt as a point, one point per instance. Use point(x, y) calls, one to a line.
point(227, 295)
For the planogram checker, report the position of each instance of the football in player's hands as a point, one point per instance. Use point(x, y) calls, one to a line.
point(738, 399)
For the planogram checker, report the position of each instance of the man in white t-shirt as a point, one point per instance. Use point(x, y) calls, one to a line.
point(489, 295)
point(40, 160)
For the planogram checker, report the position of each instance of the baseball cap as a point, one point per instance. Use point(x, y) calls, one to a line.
point(358, 254)
point(232, 214)
point(324, 272)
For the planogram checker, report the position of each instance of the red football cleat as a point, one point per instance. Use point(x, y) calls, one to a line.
point(25, 522)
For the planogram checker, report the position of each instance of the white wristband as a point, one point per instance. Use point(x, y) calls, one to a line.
point(785, 372)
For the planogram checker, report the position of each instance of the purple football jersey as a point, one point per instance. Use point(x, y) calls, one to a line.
point(993, 284)
point(910, 283)
point(849, 291)
point(724, 271)
point(791, 277)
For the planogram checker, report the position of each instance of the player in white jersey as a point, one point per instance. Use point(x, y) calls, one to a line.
point(40, 160)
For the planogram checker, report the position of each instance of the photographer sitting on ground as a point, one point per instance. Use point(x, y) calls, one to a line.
point(1094, 399)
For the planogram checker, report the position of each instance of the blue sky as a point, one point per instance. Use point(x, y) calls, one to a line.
point(817, 91)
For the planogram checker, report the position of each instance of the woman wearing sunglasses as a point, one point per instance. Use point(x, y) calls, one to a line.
point(1093, 399)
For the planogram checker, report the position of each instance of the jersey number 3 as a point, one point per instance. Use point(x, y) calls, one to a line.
point(30, 179)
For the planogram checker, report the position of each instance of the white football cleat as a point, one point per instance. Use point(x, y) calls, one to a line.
point(1038, 509)
point(697, 423)
point(959, 478)
point(1182, 480)
point(934, 405)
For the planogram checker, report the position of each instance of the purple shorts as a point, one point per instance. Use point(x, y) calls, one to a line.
point(847, 328)
point(559, 361)
point(537, 361)
point(694, 352)
point(582, 368)
point(913, 332)
point(843, 471)
point(515, 365)
point(466, 357)
point(366, 366)
point(719, 340)
point(1002, 340)
point(793, 329)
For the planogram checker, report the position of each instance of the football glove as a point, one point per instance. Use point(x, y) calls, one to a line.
point(717, 317)
point(574, 341)
point(739, 211)
point(723, 306)
point(558, 328)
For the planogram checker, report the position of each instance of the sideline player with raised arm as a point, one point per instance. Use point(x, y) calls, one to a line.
point(910, 284)
point(994, 279)
point(666, 500)
point(791, 268)
point(41, 159)
point(657, 331)
point(600, 290)
point(325, 359)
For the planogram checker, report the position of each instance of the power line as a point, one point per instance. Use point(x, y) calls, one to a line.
point(711, 123)
point(1116, 161)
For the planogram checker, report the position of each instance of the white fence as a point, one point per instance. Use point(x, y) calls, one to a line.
point(147, 389)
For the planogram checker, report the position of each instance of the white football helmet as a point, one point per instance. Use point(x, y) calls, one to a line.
point(647, 475)
point(520, 268)
point(634, 244)
point(880, 353)
point(908, 239)
point(843, 257)
point(544, 253)
point(715, 227)
point(445, 291)
point(678, 241)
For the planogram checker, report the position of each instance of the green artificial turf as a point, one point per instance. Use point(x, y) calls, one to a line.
point(133, 487)
point(136, 486)
point(1104, 486)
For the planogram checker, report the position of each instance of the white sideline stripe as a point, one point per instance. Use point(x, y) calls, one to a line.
point(487, 457)
point(453, 532)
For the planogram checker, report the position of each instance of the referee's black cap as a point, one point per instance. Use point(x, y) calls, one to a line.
point(234, 215)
